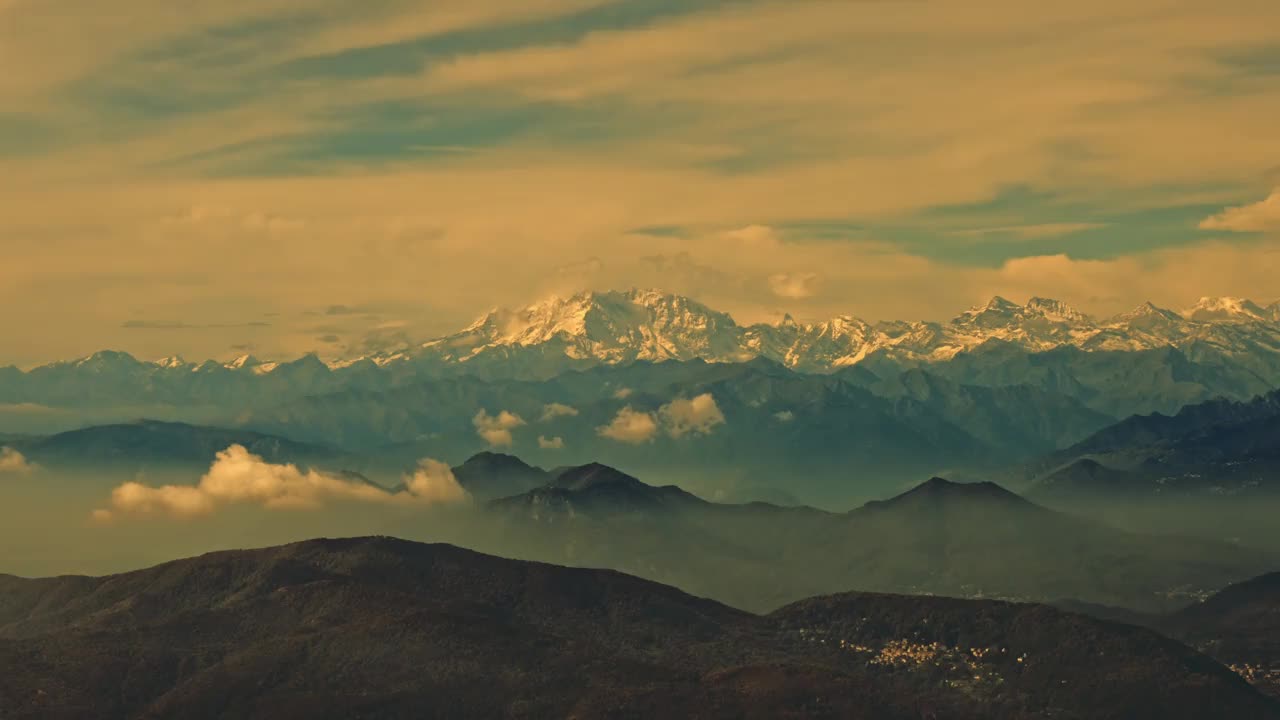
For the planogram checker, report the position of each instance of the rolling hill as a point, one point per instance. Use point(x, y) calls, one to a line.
point(376, 627)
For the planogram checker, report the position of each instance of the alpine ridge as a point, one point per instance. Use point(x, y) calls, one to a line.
point(614, 327)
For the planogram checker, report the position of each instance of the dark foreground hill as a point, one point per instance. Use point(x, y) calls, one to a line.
point(382, 628)
point(1240, 626)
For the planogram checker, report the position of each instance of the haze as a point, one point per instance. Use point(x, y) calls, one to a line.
point(283, 177)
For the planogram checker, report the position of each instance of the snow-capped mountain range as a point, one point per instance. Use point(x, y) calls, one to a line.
point(617, 327)
point(594, 328)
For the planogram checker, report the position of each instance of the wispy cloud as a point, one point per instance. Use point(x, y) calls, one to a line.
point(794, 285)
point(181, 325)
point(1261, 216)
point(1030, 232)
point(297, 133)
point(553, 411)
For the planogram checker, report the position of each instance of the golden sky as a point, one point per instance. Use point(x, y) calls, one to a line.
point(284, 176)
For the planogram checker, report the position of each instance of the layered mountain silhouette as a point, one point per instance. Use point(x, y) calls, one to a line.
point(376, 627)
point(828, 439)
point(967, 539)
point(598, 490)
point(1239, 626)
point(490, 475)
point(844, 408)
point(150, 445)
point(1219, 347)
point(1216, 448)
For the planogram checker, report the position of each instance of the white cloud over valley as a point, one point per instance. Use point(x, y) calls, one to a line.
point(699, 415)
point(14, 462)
point(238, 477)
point(496, 429)
point(631, 426)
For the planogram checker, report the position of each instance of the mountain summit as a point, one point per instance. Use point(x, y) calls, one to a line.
point(590, 329)
point(606, 326)
point(594, 328)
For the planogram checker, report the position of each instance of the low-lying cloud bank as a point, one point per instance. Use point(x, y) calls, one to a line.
point(13, 462)
point(683, 416)
point(238, 477)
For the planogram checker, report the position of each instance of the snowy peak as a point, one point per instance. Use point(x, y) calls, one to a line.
point(1226, 309)
point(997, 312)
point(1002, 313)
point(171, 363)
point(580, 314)
point(243, 362)
point(105, 358)
point(1146, 315)
point(255, 366)
point(614, 327)
point(607, 326)
point(1055, 311)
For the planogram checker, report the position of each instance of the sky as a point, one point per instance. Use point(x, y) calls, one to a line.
point(285, 176)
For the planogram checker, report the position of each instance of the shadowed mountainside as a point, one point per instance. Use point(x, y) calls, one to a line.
point(1239, 626)
point(971, 540)
point(376, 627)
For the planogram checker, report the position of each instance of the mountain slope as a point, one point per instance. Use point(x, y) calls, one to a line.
point(617, 327)
point(970, 540)
point(307, 630)
point(151, 444)
point(1239, 626)
point(1215, 448)
point(490, 475)
point(1228, 346)
point(597, 490)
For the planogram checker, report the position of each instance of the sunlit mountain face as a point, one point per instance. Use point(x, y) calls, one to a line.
point(639, 358)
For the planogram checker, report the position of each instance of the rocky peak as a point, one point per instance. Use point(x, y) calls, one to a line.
point(1225, 309)
point(1055, 310)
